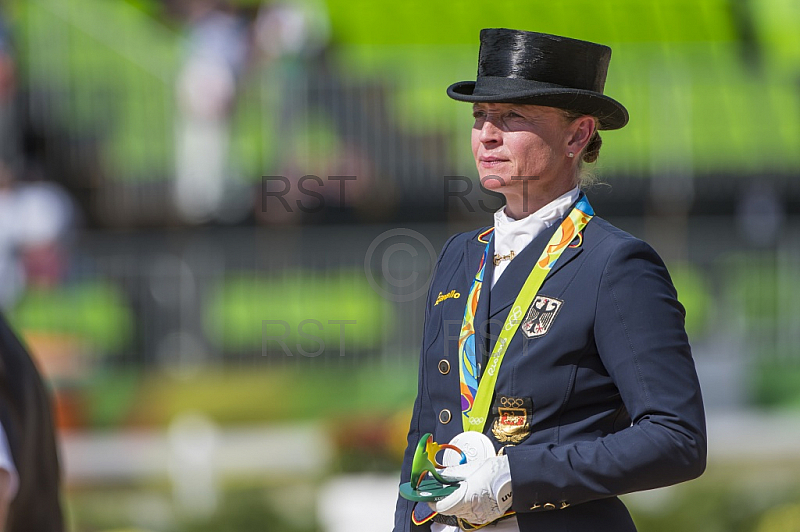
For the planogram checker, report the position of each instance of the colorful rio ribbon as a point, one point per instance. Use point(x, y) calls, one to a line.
point(476, 397)
point(468, 364)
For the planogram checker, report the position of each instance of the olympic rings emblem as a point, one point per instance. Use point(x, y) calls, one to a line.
point(511, 402)
point(516, 314)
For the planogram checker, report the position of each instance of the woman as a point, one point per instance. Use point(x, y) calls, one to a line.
point(571, 356)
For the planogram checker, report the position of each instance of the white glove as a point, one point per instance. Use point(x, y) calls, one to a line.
point(484, 494)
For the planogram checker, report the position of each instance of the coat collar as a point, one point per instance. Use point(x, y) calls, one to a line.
point(510, 283)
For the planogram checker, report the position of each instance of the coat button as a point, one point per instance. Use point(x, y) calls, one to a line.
point(444, 416)
point(549, 506)
point(444, 367)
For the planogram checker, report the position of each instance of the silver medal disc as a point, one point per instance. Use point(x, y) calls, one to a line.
point(475, 445)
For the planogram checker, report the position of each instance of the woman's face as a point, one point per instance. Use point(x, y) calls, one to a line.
point(513, 143)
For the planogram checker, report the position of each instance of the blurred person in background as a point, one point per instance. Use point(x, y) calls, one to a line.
point(35, 217)
point(29, 469)
point(215, 57)
point(572, 364)
point(291, 38)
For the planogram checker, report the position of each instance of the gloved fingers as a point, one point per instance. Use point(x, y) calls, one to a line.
point(478, 509)
point(485, 509)
point(483, 496)
point(460, 472)
point(453, 504)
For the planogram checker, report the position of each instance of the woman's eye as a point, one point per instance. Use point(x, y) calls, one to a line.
point(512, 114)
point(477, 114)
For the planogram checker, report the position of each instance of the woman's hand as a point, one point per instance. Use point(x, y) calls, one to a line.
point(484, 494)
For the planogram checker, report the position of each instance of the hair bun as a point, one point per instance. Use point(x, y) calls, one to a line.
point(592, 150)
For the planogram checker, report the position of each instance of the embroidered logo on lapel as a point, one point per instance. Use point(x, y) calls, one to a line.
point(540, 316)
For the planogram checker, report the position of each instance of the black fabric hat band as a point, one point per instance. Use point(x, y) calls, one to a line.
point(493, 85)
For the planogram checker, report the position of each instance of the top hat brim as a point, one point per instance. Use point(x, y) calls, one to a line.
point(610, 113)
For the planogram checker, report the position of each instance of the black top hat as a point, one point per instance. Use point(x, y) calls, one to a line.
point(517, 66)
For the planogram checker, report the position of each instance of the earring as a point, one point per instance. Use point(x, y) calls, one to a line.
point(570, 154)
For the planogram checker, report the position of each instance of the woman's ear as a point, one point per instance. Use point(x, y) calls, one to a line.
point(582, 130)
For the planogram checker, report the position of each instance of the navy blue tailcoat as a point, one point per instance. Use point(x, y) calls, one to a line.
point(616, 404)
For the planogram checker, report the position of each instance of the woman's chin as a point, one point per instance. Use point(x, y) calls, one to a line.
point(494, 182)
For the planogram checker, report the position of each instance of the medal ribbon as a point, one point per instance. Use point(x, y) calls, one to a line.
point(468, 364)
point(476, 398)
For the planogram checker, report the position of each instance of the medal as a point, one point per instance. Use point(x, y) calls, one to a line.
point(474, 445)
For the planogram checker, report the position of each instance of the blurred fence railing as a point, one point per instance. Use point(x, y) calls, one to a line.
point(202, 295)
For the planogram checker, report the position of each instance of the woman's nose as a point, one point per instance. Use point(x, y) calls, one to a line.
point(490, 132)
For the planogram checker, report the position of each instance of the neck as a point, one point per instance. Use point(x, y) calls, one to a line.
point(522, 203)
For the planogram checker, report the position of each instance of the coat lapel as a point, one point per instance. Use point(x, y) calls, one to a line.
point(510, 283)
point(473, 259)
